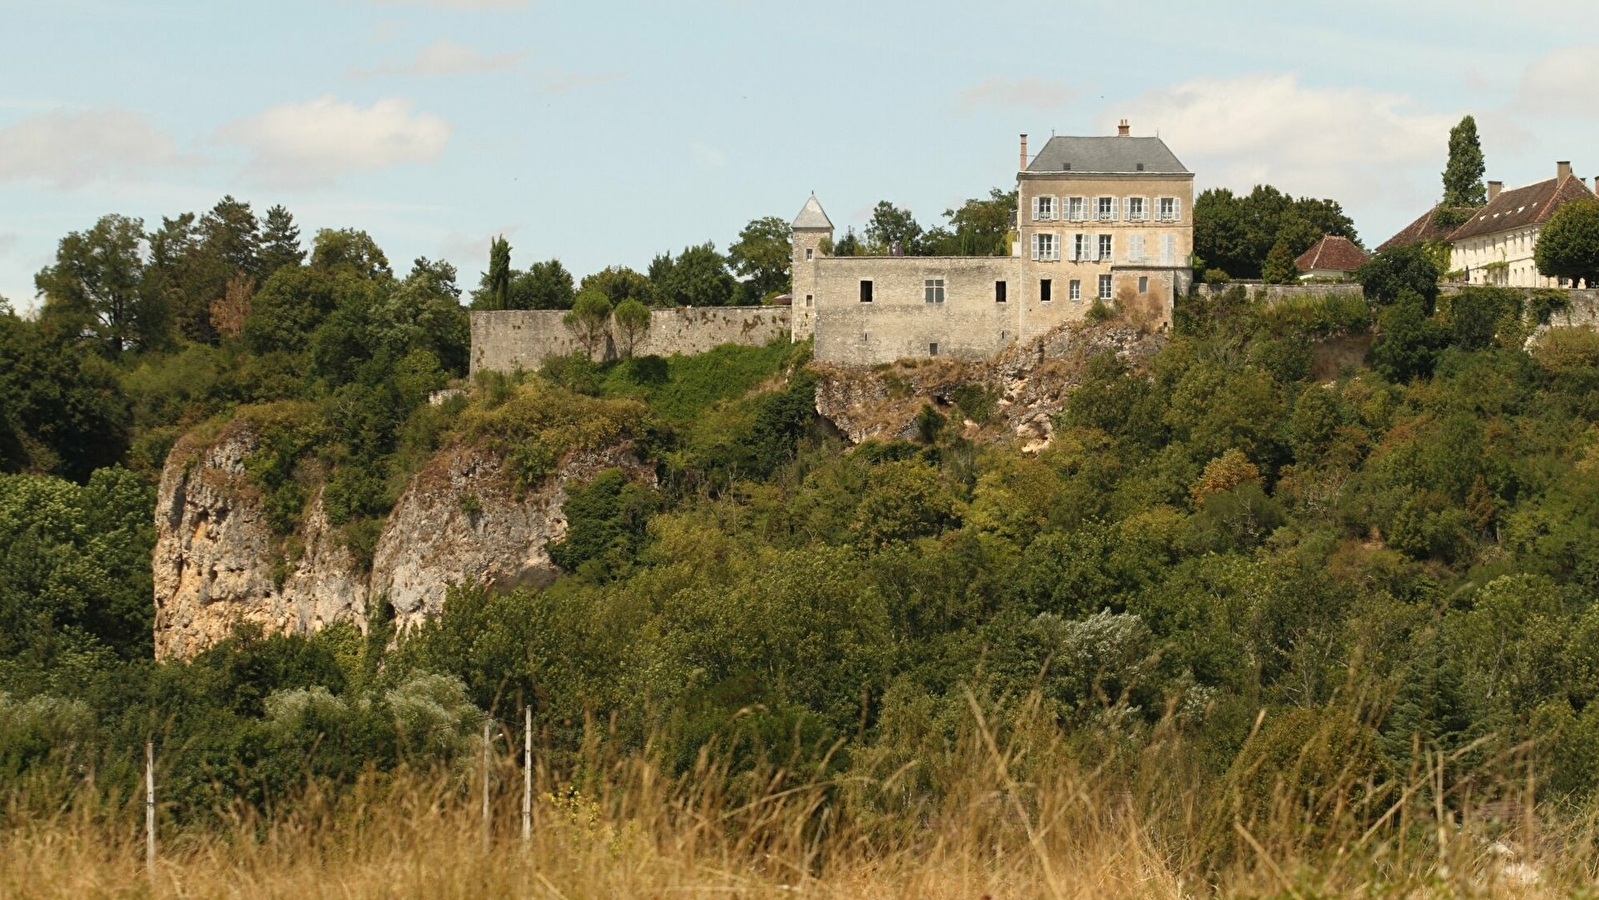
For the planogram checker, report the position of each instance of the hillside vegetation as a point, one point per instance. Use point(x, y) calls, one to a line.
point(1237, 629)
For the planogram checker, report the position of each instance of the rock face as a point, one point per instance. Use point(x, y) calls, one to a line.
point(1026, 386)
point(217, 561)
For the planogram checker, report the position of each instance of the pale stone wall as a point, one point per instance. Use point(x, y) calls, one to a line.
point(899, 323)
point(506, 340)
point(1256, 290)
point(807, 255)
point(1513, 248)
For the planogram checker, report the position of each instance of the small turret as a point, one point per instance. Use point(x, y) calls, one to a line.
point(812, 233)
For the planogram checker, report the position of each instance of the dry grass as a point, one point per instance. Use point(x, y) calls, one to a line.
point(1014, 817)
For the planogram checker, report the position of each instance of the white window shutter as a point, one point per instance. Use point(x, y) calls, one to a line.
point(1177, 207)
point(1035, 211)
point(1059, 207)
point(1035, 237)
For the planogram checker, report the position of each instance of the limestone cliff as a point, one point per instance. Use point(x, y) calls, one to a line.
point(1024, 387)
point(217, 561)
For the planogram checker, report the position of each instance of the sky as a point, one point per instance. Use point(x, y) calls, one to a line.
point(604, 133)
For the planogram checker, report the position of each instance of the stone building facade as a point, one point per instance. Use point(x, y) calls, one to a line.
point(1496, 245)
point(1106, 219)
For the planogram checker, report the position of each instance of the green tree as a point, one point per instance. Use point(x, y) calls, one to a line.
point(96, 287)
point(979, 227)
point(848, 245)
point(545, 285)
point(280, 242)
point(61, 410)
point(494, 291)
point(1393, 272)
point(620, 283)
point(1279, 267)
point(1410, 341)
point(349, 250)
point(891, 225)
point(762, 254)
point(632, 324)
point(589, 320)
point(1463, 176)
point(1568, 247)
point(697, 277)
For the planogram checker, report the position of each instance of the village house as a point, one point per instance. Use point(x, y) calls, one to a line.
point(1103, 219)
point(1333, 257)
point(1495, 246)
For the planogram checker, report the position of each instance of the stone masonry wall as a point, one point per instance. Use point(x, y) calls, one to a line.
point(899, 323)
point(506, 340)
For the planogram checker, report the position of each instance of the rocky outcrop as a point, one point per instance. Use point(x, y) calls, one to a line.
point(218, 563)
point(461, 518)
point(1020, 390)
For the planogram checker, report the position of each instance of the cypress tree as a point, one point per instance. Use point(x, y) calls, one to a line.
point(1463, 184)
point(498, 278)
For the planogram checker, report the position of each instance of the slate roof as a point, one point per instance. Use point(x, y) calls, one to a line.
point(1425, 228)
point(1102, 155)
point(811, 216)
point(1530, 205)
point(1332, 252)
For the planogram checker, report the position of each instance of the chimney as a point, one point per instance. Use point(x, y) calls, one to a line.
point(1124, 130)
point(1563, 170)
point(1494, 187)
point(1023, 166)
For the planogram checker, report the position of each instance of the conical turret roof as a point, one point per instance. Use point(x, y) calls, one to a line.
point(812, 216)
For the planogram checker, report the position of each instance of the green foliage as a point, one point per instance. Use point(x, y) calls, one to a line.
point(545, 285)
point(1463, 175)
point(605, 522)
point(1389, 275)
point(632, 324)
point(1279, 266)
point(697, 277)
point(1568, 246)
point(537, 423)
point(589, 321)
point(96, 287)
point(60, 409)
point(762, 254)
point(1236, 234)
point(890, 226)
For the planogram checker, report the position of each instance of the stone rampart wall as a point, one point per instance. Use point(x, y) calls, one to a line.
point(1256, 290)
point(506, 340)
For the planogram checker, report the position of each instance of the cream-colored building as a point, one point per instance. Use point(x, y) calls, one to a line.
point(1106, 219)
point(1495, 246)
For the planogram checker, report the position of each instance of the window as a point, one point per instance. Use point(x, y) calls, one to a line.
point(809, 298)
point(1143, 284)
point(932, 349)
point(1080, 247)
point(1170, 209)
point(1104, 287)
point(1044, 286)
point(933, 290)
point(1168, 249)
point(1074, 290)
point(1046, 247)
point(1104, 247)
point(1137, 209)
point(810, 253)
point(1135, 248)
point(1076, 208)
point(1105, 209)
point(1043, 208)
point(866, 291)
point(999, 292)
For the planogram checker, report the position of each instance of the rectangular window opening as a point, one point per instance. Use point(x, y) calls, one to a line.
point(1074, 290)
point(932, 349)
point(933, 290)
point(866, 291)
point(999, 292)
point(809, 298)
point(1143, 284)
point(810, 253)
point(1044, 285)
point(1104, 287)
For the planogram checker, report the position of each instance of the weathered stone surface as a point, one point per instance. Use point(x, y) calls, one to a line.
point(1030, 383)
point(462, 518)
point(217, 561)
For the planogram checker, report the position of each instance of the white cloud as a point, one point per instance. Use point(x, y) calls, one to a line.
point(447, 57)
point(69, 149)
point(709, 156)
point(1562, 81)
point(320, 140)
point(1028, 93)
point(1352, 144)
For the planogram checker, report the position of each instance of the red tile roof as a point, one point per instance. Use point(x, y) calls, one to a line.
point(1425, 228)
point(1530, 205)
point(1332, 252)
